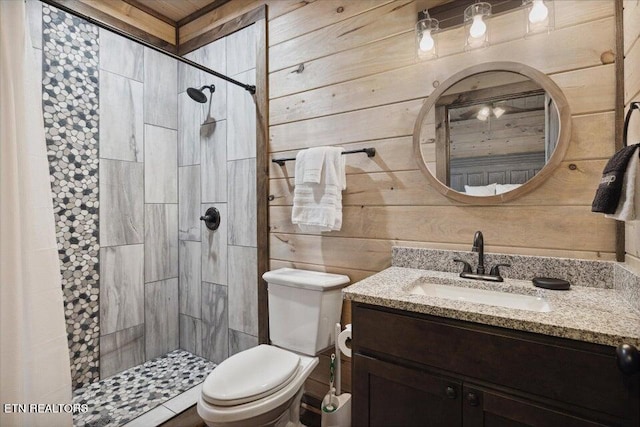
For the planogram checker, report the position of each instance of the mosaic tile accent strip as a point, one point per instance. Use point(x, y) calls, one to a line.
point(70, 104)
point(596, 274)
point(119, 399)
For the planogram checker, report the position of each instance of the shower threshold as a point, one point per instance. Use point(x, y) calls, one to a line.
point(147, 394)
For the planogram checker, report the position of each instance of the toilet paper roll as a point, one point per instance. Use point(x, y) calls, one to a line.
point(344, 341)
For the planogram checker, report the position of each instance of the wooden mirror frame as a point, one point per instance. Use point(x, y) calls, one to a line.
point(564, 134)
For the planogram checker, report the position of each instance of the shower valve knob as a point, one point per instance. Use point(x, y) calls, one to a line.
point(211, 218)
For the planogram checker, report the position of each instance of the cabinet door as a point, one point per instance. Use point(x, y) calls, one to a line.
point(385, 394)
point(491, 409)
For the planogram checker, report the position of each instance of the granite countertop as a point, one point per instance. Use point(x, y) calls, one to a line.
point(590, 314)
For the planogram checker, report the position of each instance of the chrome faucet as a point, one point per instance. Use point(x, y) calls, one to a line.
point(467, 271)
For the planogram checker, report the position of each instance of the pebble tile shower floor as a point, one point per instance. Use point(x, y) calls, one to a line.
point(119, 399)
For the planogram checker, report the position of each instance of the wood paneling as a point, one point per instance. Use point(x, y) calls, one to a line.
point(506, 225)
point(367, 91)
point(232, 10)
point(344, 35)
point(127, 18)
point(317, 15)
point(261, 98)
point(398, 51)
point(631, 17)
point(566, 186)
point(376, 123)
point(418, 79)
point(135, 17)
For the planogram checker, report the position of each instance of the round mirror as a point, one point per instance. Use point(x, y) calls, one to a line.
point(492, 132)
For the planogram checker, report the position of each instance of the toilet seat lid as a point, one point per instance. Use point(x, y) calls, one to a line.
point(250, 375)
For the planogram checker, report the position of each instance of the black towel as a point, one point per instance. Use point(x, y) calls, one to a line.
point(610, 188)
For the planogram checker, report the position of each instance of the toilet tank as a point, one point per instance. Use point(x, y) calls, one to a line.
point(304, 307)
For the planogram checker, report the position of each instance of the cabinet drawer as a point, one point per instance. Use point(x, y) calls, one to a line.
point(562, 370)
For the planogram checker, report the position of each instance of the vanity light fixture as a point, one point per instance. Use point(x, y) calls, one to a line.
point(475, 25)
point(483, 113)
point(539, 16)
point(486, 111)
point(498, 111)
point(426, 34)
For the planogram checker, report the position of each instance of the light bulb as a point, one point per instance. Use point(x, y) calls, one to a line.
point(483, 114)
point(478, 28)
point(426, 42)
point(539, 12)
point(498, 112)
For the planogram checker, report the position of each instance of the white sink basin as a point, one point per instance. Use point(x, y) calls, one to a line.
point(482, 296)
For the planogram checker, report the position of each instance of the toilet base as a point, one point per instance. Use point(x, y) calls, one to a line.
point(285, 415)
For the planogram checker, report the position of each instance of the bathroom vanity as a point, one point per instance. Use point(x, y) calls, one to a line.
point(420, 359)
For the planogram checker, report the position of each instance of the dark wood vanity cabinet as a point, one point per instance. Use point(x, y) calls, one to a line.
point(419, 370)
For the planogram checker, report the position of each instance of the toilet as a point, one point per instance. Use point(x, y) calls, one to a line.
point(263, 386)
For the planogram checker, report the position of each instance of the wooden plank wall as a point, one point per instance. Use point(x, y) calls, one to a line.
point(344, 72)
point(355, 82)
point(631, 20)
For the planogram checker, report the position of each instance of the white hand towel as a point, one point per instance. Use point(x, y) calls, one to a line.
point(629, 205)
point(317, 207)
point(309, 164)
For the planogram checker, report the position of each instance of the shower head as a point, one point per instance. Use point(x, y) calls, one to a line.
point(198, 94)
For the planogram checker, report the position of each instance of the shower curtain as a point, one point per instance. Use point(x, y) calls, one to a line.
point(35, 378)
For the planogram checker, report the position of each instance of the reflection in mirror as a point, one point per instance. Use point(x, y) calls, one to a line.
point(489, 133)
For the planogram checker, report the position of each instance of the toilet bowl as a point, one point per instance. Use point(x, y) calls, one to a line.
point(263, 386)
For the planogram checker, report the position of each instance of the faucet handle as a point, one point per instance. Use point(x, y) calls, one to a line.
point(467, 266)
point(495, 270)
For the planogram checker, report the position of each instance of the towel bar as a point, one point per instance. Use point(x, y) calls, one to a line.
point(371, 152)
point(632, 106)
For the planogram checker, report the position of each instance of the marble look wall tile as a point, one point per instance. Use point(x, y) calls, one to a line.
point(122, 287)
point(215, 324)
point(121, 350)
point(214, 56)
point(191, 334)
point(190, 117)
point(239, 341)
point(121, 203)
point(190, 278)
point(160, 165)
point(598, 274)
point(121, 122)
point(121, 56)
point(241, 119)
point(160, 89)
point(242, 202)
point(243, 289)
point(189, 76)
point(189, 206)
point(214, 248)
point(161, 242)
point(161, 317)
point(214, 164)
point(241, 48)
point(34, 19)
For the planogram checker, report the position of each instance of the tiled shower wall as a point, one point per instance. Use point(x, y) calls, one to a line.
point(126, 213)
point(138, 204)
point(217, 168)
point(110, 109)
